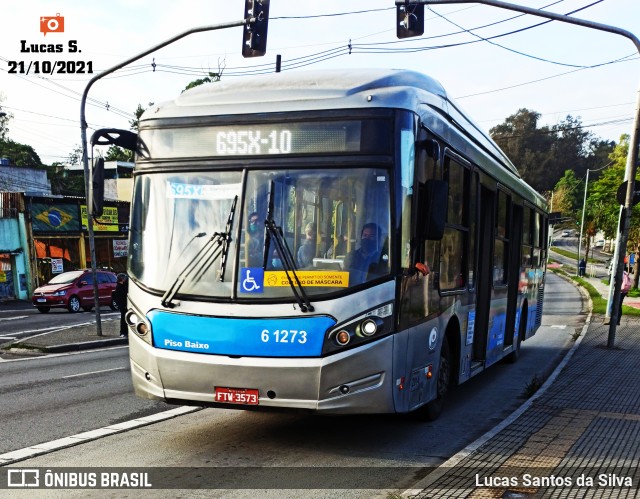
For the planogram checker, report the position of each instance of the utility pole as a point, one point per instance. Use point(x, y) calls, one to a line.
point(584, 205)
point(632, 158)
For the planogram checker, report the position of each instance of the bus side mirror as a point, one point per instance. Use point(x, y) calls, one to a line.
point(96, 203)
point(432, 209)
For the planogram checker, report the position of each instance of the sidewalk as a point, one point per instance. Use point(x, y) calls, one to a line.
point(577, 437)
point(603, 289)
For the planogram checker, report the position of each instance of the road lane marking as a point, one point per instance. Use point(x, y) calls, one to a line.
point(54, 329)
point(14, 318)
point(62, 443)
point(95, 372)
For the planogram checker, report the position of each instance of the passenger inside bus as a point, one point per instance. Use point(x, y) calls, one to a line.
point(362, 261)
point(255, 245)
point(307, 249)
point(340, 248)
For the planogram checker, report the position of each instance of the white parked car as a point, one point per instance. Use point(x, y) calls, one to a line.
point(567, 233)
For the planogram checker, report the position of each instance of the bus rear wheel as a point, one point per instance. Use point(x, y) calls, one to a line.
point(522, 329)
point(431, 410)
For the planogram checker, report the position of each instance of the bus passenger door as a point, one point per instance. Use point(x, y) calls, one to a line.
point(514, 273)
point(486, 205)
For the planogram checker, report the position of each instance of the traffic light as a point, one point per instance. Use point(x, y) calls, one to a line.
point(254, 36)
point(409, 19)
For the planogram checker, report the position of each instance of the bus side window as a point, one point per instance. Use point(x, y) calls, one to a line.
point(453, 250)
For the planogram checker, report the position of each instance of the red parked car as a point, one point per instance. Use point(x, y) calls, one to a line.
point(74, 290)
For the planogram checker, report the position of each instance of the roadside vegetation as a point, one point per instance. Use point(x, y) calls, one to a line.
point(599, 302)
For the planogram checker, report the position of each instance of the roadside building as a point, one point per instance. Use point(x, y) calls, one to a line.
point(60, 239)
point(15, 271)
point(42, 234)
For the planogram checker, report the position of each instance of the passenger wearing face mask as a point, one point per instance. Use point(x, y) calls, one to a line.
point(359, 261)
point(276, 262)
point(254, 241)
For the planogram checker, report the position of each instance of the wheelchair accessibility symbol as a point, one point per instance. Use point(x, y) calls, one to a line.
point(251, 280)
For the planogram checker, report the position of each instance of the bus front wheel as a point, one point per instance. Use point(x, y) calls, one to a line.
point(431, 410)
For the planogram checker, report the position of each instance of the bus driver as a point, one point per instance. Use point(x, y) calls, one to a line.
point(359, 262)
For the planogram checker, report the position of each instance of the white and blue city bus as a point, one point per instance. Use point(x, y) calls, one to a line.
point(335, 241)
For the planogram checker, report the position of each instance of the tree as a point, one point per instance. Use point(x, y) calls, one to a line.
point(115, 153)
point(568, 194)
point(135, 123)
point(213, 77)
point(602, 195)
point(528, 147)
point(61, 182)
point(4, 120)
point(20, 154)
point(543, 154)
point(571, 145)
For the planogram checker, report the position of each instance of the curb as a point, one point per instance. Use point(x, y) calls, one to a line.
point(426, 482)
point(72, 347)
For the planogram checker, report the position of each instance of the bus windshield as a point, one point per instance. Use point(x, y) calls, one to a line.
point(333, 223)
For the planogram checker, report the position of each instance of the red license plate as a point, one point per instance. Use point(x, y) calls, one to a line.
point(244, 396)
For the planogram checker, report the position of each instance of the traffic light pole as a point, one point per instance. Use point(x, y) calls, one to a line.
point(613, 303)
point(85, 156)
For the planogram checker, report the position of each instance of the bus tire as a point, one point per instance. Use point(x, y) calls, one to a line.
point(431, 410)
point(522, 328)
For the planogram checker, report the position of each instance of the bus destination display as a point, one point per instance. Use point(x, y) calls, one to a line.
point(254, 140)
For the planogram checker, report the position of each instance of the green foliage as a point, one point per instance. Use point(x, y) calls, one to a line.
point(115, 153)
point(212, 77)
point(135, 123)
point(4, 120)
point(62, 183)
point(201, 81)
point(526, 145)
point(20, 154)
point(568, 194)
point(543, 154)
point(601, 198)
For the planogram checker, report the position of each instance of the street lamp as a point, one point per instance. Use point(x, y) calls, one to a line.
point(83, 135)
point(613, 303)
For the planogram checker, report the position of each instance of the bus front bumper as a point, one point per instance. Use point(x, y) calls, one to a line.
point(355, 381)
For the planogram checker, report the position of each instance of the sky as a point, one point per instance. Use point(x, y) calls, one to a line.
point(555, 69)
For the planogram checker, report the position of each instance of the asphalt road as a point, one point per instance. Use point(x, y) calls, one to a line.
point(19, 319)
point(59, 406)
point(51, 397)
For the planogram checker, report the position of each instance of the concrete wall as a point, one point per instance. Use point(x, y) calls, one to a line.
point(13, 240)
point(16, 179)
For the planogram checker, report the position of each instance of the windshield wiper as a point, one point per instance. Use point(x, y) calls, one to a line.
point(226, 241)
point(216, 246)
point(274, 232)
